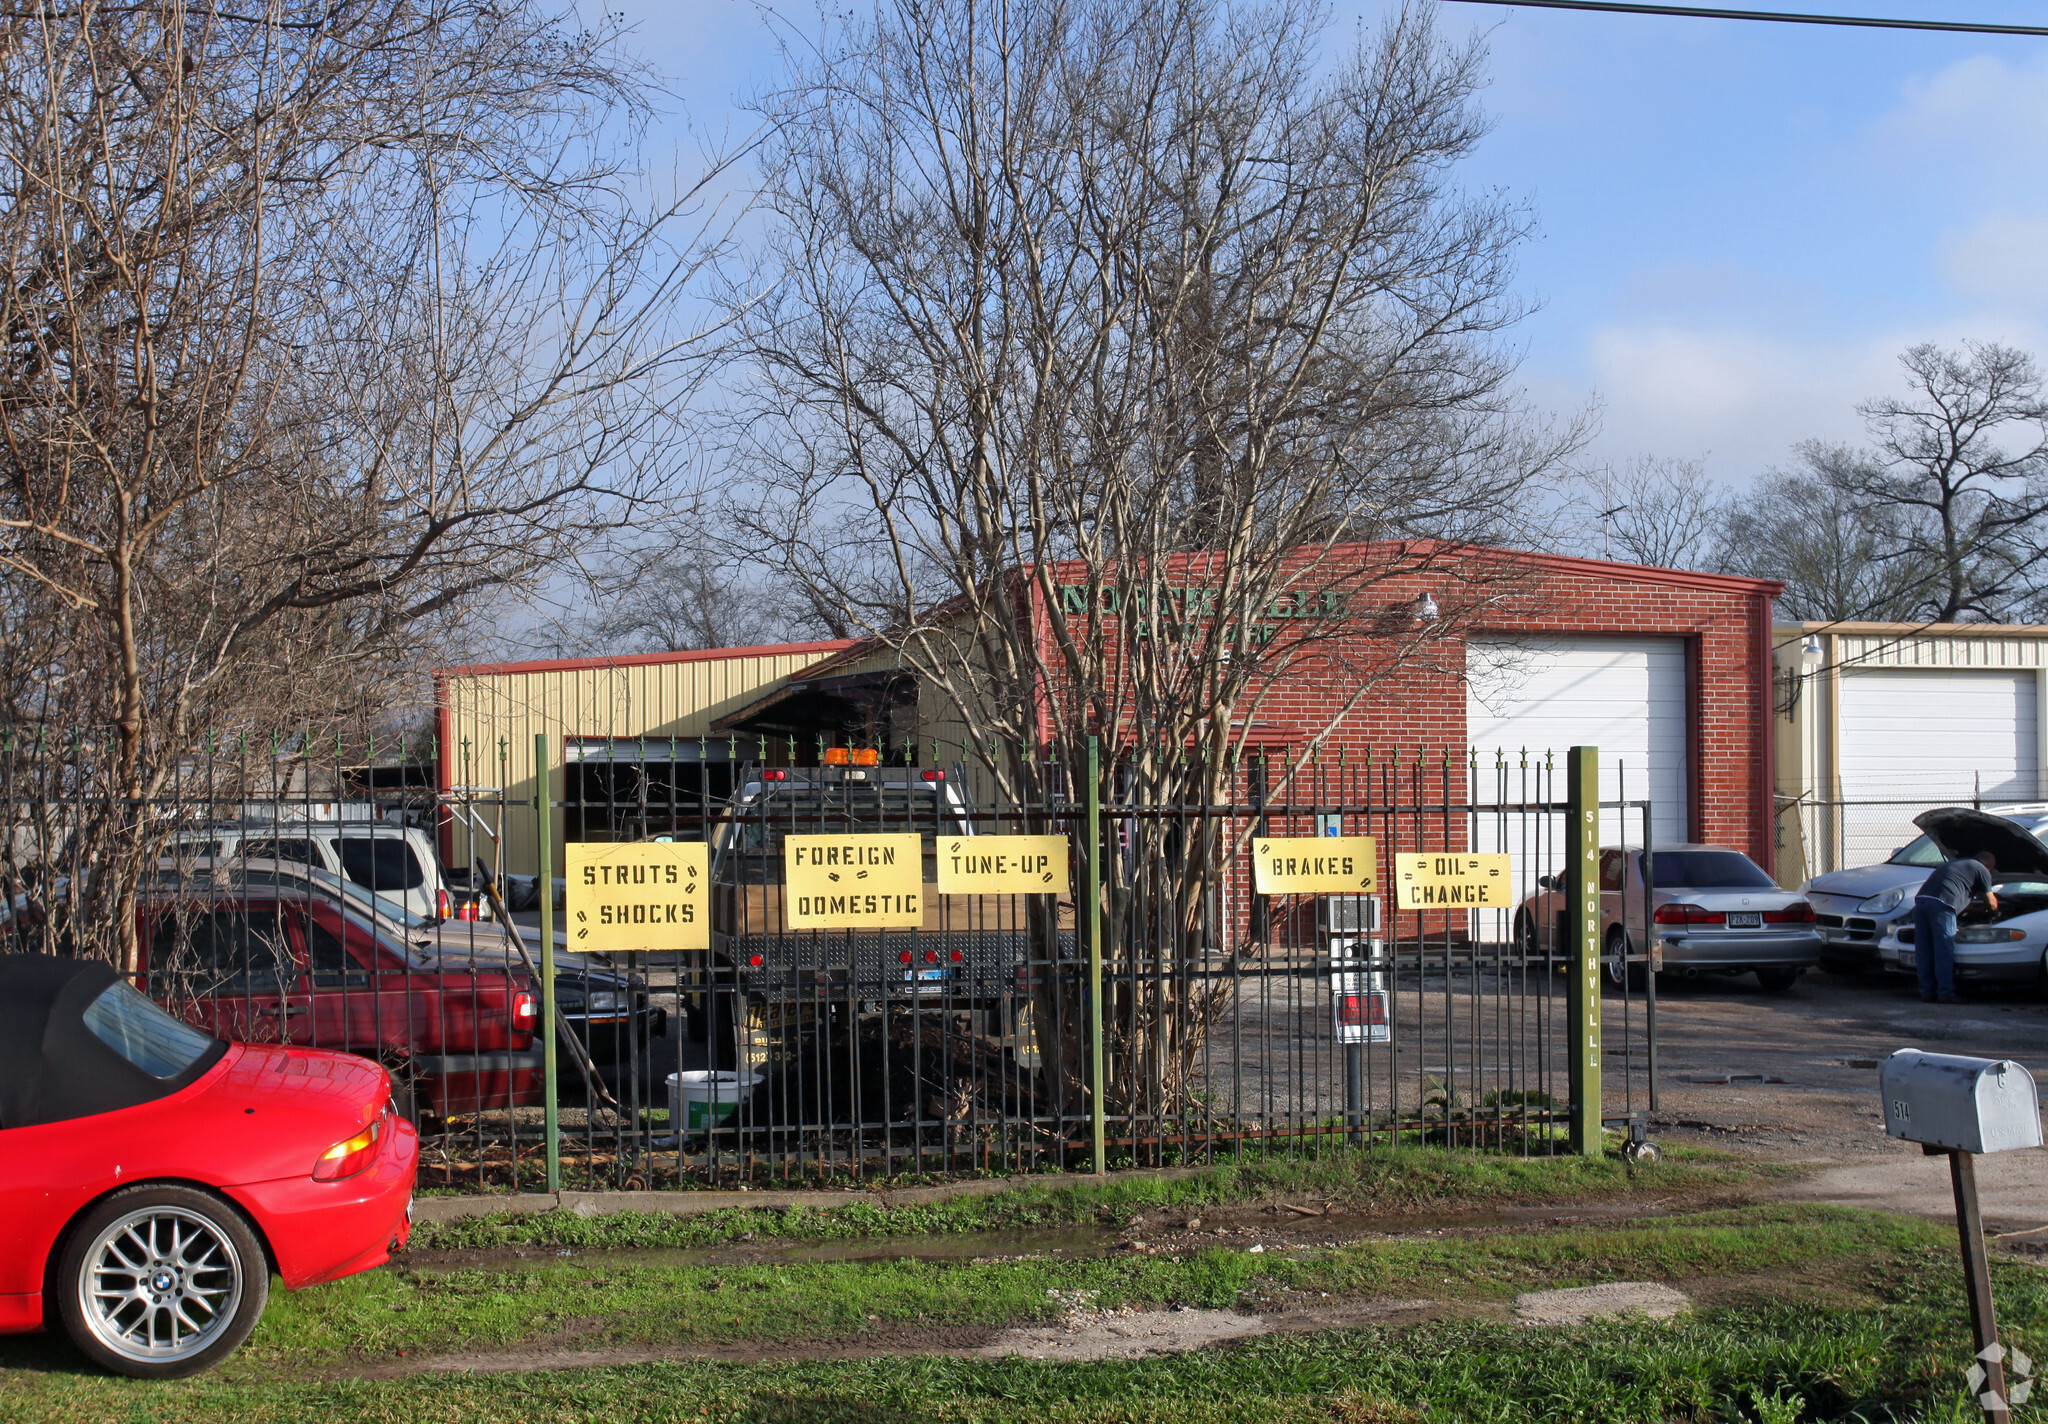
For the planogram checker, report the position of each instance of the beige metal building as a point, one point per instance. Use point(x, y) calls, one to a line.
point(1879, 721)
point(634, 741)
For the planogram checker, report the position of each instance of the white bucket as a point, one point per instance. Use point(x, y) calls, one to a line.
point(699, 1099)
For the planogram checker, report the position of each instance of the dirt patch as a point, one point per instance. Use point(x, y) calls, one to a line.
point(1126, 1335)
point(1574, 1304)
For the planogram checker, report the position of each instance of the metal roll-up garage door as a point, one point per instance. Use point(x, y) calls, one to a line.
point(1915, 738)
point(1625, 696)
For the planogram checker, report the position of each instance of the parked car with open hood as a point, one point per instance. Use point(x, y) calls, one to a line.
point(2006, 946)
point(1712, 911)
point(1857, 911)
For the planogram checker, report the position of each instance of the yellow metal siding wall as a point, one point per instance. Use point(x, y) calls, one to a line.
point(1807, 756)
point(493, 719)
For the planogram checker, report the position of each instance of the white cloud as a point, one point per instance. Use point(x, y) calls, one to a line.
point(2002, 258)
point(1740, 399)
point(1974, 134)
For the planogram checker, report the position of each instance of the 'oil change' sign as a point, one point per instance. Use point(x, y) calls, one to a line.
point(1002, 865)
point(854, 882)
point(1315, 865)
point(1451, 880)
point(647, 895)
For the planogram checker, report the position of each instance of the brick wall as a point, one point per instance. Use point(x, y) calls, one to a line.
point(1415, 692)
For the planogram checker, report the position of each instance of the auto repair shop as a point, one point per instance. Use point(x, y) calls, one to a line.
point(1667, 672)
point(1880, 721)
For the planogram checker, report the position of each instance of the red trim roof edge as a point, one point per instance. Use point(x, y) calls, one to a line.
point(698, 655)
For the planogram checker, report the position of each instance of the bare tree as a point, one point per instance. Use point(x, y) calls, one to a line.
point(323, 322)
point(1807, 528)
point(1958, 472)
point(1662, 512)
point(683, 596)
point(1113, 367)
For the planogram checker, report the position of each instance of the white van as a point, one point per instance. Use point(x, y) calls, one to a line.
point(396, 861)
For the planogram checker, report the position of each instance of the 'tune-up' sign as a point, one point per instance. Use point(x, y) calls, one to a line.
point(1315, 865)
point(1002, 865)
point(642, 895)
point(869, 882)
point(1452, 880)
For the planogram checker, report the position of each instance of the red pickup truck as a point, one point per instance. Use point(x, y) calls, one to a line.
point(276, 966)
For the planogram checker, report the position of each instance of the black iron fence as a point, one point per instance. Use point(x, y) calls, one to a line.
point(1145, 996)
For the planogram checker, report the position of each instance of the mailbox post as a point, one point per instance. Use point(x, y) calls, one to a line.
point(1959, 1107)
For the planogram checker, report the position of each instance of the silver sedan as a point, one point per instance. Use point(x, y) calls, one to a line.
point(1712, 910)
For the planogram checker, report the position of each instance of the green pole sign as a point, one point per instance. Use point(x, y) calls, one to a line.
point(1582, 876)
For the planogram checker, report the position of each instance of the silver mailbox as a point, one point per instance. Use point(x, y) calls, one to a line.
point(1963, 1104)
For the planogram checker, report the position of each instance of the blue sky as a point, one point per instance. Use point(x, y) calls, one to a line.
point(1741, 224)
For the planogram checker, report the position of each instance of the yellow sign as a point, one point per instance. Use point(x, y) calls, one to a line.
point(1452, 880)
point(1315, 865)
point(1002, 865)
point(642, 895)
point(854, 882)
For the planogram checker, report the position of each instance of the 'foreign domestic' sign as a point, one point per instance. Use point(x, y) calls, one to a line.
point(1452, 880)
point(644, 895)
point(1002, 865)
point(1315, 865)
point(854, 882)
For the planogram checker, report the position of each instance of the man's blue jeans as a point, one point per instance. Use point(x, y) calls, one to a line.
point(1934, 946)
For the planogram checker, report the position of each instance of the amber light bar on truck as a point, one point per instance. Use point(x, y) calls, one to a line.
point(852, 756)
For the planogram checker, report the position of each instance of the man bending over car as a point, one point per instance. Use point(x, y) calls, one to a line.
point(1946, 894)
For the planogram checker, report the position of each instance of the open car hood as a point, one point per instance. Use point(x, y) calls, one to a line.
point(1960, 831)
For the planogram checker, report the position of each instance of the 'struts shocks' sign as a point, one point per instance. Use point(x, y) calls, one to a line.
point(1315, 865)
point(854, 882)
point(1452, 880)
point(1002, 865)
point(644, 895)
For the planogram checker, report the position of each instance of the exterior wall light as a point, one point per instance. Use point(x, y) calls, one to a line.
point(1426, 610)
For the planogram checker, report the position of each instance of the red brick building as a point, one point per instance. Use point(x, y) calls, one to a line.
point(1667, 672)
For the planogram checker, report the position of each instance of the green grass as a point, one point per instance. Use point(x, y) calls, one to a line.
point(1825, 1313)
point(1408, 1179)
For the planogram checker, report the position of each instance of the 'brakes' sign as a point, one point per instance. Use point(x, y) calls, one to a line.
point(854, 882)
point(643, 896)
point(1452, 880)
point(1002, 865)
point(1315, 865)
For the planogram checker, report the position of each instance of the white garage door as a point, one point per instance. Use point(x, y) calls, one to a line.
point(1931, 738)
point(1625, 696)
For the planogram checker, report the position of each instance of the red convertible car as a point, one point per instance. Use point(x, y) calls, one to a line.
point(153, 1177)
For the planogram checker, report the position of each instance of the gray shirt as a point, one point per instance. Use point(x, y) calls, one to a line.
point(1958, 883)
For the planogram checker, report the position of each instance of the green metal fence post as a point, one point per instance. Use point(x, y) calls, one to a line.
point(1582, 875)
point(543, 821)
point(1096, 1083)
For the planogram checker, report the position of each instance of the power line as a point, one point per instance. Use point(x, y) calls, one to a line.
point(1619, 7)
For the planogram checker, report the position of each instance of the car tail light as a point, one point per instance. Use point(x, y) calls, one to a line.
point(775, 776)
point(931, 956)
point(469, 910)
point(1796, 913)
point(958, 956)
point(345, 1159)
point(443, 906)
point(934, 775)
point(525, 1010)
point(753, 961)
point(1682, 914)
point(905, 956)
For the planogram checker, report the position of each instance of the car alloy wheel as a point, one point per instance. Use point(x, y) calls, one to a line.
point(162, 1281)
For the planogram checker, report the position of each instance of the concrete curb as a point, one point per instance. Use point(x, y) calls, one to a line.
point(693, 1203)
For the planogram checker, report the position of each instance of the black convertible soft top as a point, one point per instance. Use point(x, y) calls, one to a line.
point(52, 1065)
